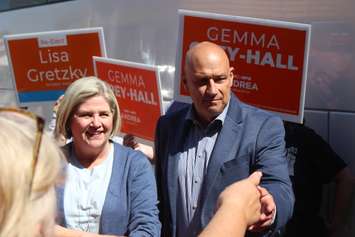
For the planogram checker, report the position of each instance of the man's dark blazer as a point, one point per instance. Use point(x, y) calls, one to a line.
point(250, 139)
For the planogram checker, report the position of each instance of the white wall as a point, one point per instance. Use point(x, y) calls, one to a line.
point(146, 32)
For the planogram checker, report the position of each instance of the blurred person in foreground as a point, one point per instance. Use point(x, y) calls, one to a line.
point(202, 148)
point(29, 168)
point(110, 189)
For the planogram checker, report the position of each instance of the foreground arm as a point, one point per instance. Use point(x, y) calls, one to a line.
point(238, 208)
point(60, 231)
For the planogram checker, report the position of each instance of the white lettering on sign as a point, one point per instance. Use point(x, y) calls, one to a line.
point(247, 85)
point(275, 60)
point(232, 36)
point(142, 96)
point(70, 73)
point(269, 59)
point(119, 91)
point(47, 56)
point(45, 41)
point(126, 78)
point(131, 117)
point(134, 95)
point(244, 82)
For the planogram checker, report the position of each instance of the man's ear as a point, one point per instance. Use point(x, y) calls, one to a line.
point(183, 80)
point(231, 75)
point(231, 71)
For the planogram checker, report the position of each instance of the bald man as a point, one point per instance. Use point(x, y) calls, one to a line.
point(204, 147)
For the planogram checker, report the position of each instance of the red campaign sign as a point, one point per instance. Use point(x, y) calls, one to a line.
point(44, 64)
point(269, 58)
point(137, 89)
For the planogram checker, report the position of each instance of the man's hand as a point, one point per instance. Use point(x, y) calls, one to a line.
point(268, 211)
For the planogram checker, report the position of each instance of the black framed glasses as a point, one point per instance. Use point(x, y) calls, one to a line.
point(25, 117)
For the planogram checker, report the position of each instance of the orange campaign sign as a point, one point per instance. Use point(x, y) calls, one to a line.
point(44, 64)
point(269, 58)
point(137, 89)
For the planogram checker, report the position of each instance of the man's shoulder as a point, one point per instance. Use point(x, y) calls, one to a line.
point(249, 112)
point(176, 112)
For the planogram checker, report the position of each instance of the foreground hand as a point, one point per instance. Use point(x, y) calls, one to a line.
point(244, 197)
point(238, 207)
point(268, 211)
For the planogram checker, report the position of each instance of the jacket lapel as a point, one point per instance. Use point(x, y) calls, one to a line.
point(176, 146)
point(225, 147)
point(113, 188)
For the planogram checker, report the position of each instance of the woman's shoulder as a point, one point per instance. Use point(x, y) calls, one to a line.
point(133, 163)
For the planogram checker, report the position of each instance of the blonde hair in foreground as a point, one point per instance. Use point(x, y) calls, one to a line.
point(77, 93)
point(25, 212)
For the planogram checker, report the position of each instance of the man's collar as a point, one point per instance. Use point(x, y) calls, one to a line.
point(191, 115)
